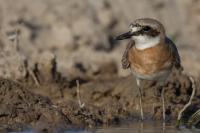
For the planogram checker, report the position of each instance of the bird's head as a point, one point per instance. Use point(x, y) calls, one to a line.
point(146, 32)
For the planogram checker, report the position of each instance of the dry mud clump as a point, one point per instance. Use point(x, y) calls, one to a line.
point(20, 106)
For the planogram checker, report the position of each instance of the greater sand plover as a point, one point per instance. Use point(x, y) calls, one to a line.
point(150, 54)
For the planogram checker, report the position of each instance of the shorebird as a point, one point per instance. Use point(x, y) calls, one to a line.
point(150, 55)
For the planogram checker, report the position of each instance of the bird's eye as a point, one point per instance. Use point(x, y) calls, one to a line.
point(146, 28)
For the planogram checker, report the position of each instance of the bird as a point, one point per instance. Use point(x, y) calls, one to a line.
point(150, 55)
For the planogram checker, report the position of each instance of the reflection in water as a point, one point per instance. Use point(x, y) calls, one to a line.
point(147, 127)
point(141, 127)
point(163, 128)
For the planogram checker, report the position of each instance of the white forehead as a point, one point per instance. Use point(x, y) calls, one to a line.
point(134, 29)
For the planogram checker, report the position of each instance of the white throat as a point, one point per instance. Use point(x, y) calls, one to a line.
point(143, 42)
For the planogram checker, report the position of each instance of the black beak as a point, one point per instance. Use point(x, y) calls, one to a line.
point(126, 35)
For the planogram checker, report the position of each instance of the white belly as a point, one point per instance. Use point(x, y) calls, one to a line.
point(158, 76)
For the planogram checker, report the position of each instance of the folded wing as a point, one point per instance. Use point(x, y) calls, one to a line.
point(125, 61)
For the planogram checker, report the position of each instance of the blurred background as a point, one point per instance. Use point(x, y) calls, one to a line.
point(78, 33)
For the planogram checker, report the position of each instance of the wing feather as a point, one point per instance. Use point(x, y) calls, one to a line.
point(175, 55)
point(125, 61)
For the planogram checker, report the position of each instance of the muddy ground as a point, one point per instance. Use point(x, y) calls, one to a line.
point(100, 99)
point(46, 46)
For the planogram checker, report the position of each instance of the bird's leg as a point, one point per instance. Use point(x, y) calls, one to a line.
point(140, 96)
point(141, 104)
point(163, 103)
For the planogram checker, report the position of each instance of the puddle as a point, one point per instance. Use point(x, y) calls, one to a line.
point(131, 128)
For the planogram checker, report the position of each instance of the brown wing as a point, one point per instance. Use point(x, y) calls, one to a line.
point(175, 54)
point(125, 61)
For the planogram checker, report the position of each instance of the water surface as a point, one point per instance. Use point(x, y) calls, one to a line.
point(132, 128)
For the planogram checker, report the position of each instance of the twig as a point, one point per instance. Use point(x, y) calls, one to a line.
point(81, 105)
point(188, 104)
point(33, 76)
point(16, 43)
point(16, 40)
